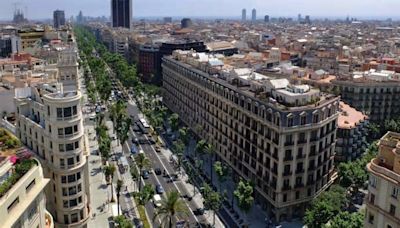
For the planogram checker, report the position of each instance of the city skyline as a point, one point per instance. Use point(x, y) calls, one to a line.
point(224, 9)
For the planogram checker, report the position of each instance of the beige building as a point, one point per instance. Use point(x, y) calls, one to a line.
point(383, 205)
point(24, 204)
point(279, 136)
point(49, 122)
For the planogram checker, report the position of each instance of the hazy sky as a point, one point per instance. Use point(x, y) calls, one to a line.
point(40, 9)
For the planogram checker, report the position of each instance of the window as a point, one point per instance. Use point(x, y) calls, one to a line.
point(74, 110)
point(65, 203)
point(371, 218)
point(59, 113)
point(63, 179)
point(68, 131)
point(72, 190)
point(60, 131)
point(297, 194)
point(395, 192)
point(71, 178)
point(32, 211)
point(284, 197)
point(74, 218)
point(64, 191)
point(66, 219)
point(372, 198)
point(61, 147)
point(78, 176)
point(69, 146)
point(303, 120)
point(73, 203)
point(62, 162)
point(13, 204)
point(392, 209)
point(68, 112)
point(77, 158)
point(76, 144)
point(79, 187)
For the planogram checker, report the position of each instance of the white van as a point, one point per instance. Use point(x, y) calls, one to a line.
point(157, 200)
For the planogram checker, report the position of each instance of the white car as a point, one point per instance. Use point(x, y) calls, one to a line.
point(157, 200)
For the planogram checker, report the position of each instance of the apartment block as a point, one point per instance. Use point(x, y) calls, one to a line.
point(351, 134)
point(375, 93)
point(49, 122)
point(383, 200)
point(23, 205)
point(278, 135)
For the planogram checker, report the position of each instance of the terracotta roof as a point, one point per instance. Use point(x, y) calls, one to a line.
point(349, 117)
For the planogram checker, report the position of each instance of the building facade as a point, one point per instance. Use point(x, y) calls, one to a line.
point(24, 204)
point(67, 66)
point(286, 150)
point(49, 122)
point(121, 13)
point(378, 100)
point(351, 134)
point(383, 200)
point(58, 18)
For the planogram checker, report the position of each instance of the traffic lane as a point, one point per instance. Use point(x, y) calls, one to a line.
point(171, 186)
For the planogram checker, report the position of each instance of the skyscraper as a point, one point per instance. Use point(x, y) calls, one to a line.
point(253, 15)
point(266, 18)
point(58, 18)
point(121, 13)
point(186, 23)
point(243, 14)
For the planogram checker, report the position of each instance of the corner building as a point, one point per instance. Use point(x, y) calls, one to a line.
point(287, 150)
point(383, 200)
point(49, 122)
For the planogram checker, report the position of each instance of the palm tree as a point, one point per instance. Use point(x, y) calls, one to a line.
point(171, 207)
point(109, 172)
point(142, 162)
point(209, 149)
point(120, 183)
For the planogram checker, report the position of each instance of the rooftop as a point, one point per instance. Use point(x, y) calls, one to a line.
point(278, 92)
point(349, 117)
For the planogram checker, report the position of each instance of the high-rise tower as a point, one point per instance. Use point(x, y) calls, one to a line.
point(58, 18)
point(121, 13)
point(254, 15)
point(243, 14)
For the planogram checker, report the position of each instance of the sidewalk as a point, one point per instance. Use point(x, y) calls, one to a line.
point(101, 212)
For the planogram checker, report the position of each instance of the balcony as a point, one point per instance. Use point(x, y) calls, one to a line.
point(286, 187)
point(287, 173)
point(288, 158)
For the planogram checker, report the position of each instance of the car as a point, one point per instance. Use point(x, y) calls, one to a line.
point(135, 140)
point(157, 171)
point(159, 189)
point(157, 200)
point(142, 141)
point(145, 174)
point(138, 223)
point(152, 141)
point(180, 224)
point(198, 211)
point(158, 149)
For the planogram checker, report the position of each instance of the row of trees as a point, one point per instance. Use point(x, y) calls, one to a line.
point(330, 208)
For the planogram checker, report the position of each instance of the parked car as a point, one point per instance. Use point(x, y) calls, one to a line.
point(145, 174)
point(180, 224)
point(159, 189)
point(158, 149)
